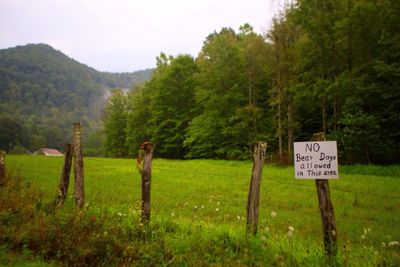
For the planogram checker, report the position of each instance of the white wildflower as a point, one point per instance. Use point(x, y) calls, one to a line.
point(238, 217)
point(363, 237)
point(172, 214)
point(217, 209)
point(290, 231)
point(273, 214)
point(393, 244)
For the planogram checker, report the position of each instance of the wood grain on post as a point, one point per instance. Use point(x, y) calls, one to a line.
point(254, 189)
point(146, 180)
point(2, 167)
point(326, 209)
point(79, 192)
point(65, 174)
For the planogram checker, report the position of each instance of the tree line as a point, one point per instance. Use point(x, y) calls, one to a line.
point(329, 66)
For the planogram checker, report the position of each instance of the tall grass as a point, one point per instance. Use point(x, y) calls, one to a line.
point(375, 170)
point(198, 216)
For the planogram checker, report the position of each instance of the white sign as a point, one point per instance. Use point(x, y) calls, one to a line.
point(316, 160)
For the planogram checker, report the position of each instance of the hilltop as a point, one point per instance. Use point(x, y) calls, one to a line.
point(42, 91)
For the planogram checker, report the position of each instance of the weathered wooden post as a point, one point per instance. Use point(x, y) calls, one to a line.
point(65, 173)
point(254, 189)
point(78, 167)
point(146, 180)
point(326, 209)
point(2, 167)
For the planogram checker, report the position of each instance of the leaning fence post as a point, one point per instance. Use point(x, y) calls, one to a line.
point(146, 180)
point(254, 189)
point(326, 209)
point(2, 167)
point(64, 179)
point(78, 167)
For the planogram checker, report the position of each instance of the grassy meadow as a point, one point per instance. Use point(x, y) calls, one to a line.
point(198, 215)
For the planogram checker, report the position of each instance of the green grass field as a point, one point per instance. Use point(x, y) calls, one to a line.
point(198, 203)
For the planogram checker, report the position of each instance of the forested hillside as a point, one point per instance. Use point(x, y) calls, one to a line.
point(42, 92)
point(324, 66)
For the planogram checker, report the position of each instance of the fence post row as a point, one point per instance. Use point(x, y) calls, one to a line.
point(78, 166)
point(254, 189)
point(2, 167)
point(146, 180)
point(326, 209)
point(65, 174)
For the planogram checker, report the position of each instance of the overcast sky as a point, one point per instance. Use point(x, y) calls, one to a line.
point(126, 35)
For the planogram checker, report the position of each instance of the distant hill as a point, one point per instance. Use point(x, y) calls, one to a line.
point(42, 91)
point(125, 80)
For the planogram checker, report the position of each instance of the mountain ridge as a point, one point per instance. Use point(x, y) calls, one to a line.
point(106, 78)
point(43, 91)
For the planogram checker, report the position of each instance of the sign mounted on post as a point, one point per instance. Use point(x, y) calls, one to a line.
point(316, 160)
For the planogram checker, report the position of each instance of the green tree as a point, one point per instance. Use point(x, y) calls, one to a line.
point(115, 122)
point(220, 92)
point(139, 127)
point(172, 86)
point(10, 132)
point(230, 95)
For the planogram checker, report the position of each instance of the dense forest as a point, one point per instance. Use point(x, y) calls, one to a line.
point(42, 92)
point(329, 66)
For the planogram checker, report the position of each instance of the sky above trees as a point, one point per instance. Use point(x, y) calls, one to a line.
point(124, 36)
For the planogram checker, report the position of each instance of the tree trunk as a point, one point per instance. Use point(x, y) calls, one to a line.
point(78, 167)
point(250, 88)
point(290, 132)
point(254, 189)
point(280, 134)
point(323, 115)
point(279, 84)
point(64, 179)
point(327, 211)
point(2, 168)
point(350, 38)
point(335, 111)
point(146, 181)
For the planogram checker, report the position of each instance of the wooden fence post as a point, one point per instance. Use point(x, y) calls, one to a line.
point(64, 179)
point(146, 180)
point(2, 167)
point(78, 167)
point(326, 209)
point(254, 189)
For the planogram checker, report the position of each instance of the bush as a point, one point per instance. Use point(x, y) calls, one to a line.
point(18, 149)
